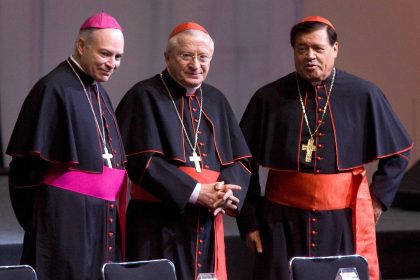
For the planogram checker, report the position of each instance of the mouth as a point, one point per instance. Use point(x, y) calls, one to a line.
point(311, 66)
point(107, 73)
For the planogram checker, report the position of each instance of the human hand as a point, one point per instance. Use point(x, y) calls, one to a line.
point(377, 209)
point(253, 241)
point(230, 201)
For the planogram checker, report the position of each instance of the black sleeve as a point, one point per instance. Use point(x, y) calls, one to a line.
point(25, 176)
point(162, 178)
point(237, 174)
point(387, 178)
point(248, 219)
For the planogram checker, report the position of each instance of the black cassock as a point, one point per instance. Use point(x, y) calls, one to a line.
point(68, 235)
point(359, 126)
point(155, 145)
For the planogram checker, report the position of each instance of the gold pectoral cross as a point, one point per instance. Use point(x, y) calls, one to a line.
point(309, 148)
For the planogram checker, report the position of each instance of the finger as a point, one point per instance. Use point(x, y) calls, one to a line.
point(218, 186)
point(258, 246)
point(229, 205)
point(234, 199)
point(233, 187)
point(228, 194)
point(218, 203)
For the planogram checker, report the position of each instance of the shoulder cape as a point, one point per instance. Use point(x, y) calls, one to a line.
point(56, 123)
point(365, 126)
point(148, 121)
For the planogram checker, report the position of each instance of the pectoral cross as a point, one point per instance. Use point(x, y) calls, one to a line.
point(106, 155)
point(309, 148)
point(196, 159)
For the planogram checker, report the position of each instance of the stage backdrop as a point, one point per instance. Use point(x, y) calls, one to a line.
point(251, 39)
point(378, 41)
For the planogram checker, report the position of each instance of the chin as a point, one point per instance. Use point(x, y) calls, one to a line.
point(102, 79)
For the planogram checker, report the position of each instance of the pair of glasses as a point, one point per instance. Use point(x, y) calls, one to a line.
point(189, 57)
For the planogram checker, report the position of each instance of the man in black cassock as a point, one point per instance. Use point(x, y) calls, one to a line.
point(67, 167)
point(186, 157)
point(314, 129)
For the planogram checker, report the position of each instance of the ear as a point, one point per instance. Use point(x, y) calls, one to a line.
point(335, 48)
point(166, 55)
point(80, 46)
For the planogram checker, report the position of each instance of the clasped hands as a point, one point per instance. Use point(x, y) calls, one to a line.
point(218, 197)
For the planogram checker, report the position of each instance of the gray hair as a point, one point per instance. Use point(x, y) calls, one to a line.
point(86, 35)
point(174, 41)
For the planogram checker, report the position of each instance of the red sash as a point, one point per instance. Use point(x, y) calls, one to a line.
point(108, 185)
point(204, 177)
point(331, 192)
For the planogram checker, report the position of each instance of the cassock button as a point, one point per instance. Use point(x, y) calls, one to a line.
point(313, 245)
point(201, 241)
point(200, 253)
point(318, 158)
point(199, 132)
point(110, 234)
point(110, 248)
point(206, 166)
point(314, 232)
point(110, 220)
point(201, 144)
point(118, 165)
point(203, 154)
point(111, 206)
point(318, 171)
point(320, 134)
point(199, 265)
point(194, 109)
point(320, 110)
point(320, 146)
point(319, 97)
point(195, 120)
point(313, 220)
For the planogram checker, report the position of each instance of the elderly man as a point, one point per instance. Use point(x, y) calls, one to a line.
point(187, 158)
point(67, 168)
point(314, 129)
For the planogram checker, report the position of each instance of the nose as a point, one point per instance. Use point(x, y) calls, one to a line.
point(310, 54)
point(112, 63)
point(194, 62)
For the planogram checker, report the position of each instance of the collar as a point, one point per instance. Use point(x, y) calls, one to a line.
point(186, 90)
point(305, 84)
point(86, 78)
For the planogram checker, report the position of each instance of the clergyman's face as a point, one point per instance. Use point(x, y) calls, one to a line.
point(314, 55)
point(101, 54)
point(189, 61)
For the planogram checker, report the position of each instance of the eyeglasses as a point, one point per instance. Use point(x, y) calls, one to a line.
point(189, 57)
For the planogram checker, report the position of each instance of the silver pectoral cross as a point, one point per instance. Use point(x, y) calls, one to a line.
point(196, 159)
point(106, 155)
point(309, 148)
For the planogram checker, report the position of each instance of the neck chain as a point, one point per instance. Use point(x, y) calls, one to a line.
point(194, 158)
point(101, 129)
point(310, 147)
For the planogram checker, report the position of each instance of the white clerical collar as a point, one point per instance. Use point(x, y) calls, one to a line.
point(77, 64)
point(189, 90)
